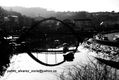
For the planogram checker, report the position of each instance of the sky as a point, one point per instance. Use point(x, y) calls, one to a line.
point(66, 5)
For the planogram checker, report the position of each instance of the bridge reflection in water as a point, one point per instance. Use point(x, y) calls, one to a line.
point(25, 62)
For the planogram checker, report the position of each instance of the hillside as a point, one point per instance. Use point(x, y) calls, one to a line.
point(31, 12)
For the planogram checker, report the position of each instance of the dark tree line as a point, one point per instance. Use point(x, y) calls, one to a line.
point(8, 23)
point(109, 19)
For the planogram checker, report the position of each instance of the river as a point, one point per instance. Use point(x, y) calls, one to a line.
point(23, 67)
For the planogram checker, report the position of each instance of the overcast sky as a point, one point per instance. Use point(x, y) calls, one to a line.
point(66, 5)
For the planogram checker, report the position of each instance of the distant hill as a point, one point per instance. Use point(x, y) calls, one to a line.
point(31, 12)
point(40, 13)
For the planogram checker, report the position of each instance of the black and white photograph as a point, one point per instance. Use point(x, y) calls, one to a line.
point(59, 40)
